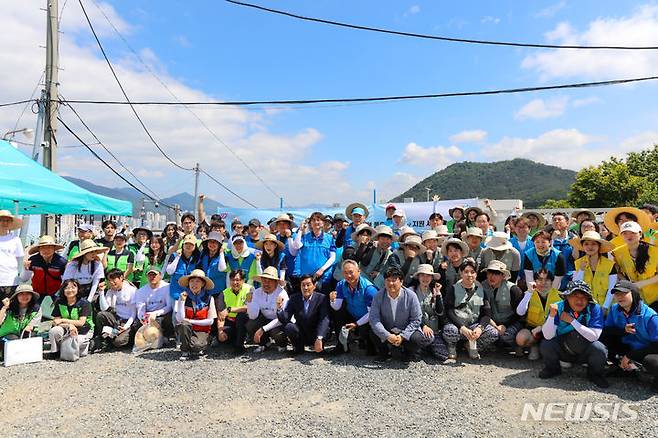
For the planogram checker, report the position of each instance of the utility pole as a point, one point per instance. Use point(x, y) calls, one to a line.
point(196, 189)
point(428, 192)
point(176, 213)
point(50, 119)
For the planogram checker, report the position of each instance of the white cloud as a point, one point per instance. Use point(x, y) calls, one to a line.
point(414, 9)
point(436, 157)
point(638, 142)
point(543, 109)
point(578, 103)
point(284, 160)
point(470, 136)
point(490, 20)
point(395, 184)
point(638, 29)
point(551, 10)
point(182, 41)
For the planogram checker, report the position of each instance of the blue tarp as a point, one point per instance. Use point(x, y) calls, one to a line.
point(40, 191)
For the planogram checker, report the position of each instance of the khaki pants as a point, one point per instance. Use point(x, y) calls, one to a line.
point(57, 333)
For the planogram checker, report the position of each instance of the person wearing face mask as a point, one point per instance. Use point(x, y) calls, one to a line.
point(631, 333)
point(637, 261)
point(594, 268)
point(373, 268)
point(542, 255)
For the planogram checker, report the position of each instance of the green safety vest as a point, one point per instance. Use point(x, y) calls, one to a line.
point(74, 251)
point(120, 262)
point(233, 300)
point(74, 315)
point(13, 325)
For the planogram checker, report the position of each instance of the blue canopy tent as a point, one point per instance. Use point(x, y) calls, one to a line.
point(26, 187)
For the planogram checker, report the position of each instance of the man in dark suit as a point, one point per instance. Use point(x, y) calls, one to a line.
point(311, 312)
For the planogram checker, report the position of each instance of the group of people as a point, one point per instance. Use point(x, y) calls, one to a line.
point(569, 290)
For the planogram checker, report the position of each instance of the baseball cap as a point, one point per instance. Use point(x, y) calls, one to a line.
point(86, 227)
point(255, 222)
point(630, 226)
point(625, 286)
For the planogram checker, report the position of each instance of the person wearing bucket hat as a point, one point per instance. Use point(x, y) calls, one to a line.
point(113, 325)
point(195, 314)
point(315, 251)
point(20, 314)
point(454, 250)
point(571, 334)
point(579, 216)
point(209, 262)
point(594, 268)
point(262, 307)
point(86, 268)
point(183, 263)
point(504, 297)
point(470, 214)
point(44, 267)
point(536, 221)
point(120, 257)
point(374, 266)
point(85, 231)
point(474, 238)
point(637, 261)
point(428, 290)
point(468, 312)
point(271, 254)
point(141, 239)
point(408, 257)
point(543, 255)
point(631, 333)
point(442, 232)
point(154, 303)
point(456, 216)
point(11, 251)
point(432, 254)
point(498, 247)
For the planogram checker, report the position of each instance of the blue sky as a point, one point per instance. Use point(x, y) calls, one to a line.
point(215, 50)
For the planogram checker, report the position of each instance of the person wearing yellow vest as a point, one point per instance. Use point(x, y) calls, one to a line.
point(195, 314)
point(594, 268)
point(535, 306)
point(614, 218)
point(638, 262)
point(72, 317)
point(232, 316)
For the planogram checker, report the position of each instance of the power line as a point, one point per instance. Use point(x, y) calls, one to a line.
point(110, 167)
point(437, 37)
point(166, 87)
point(18, 102)
point(110, 152)
point(376, 99)
point(227, 189)
point(125, 95)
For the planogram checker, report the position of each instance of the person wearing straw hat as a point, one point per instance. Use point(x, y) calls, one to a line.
point(498, 247)
point(113, 325)
point(195, 314)
point(454, 250)
point(432, 254)
point(232, 315)
point(285, 235)
point(631, 333)
point(86, 268)
point(571, 334)
point(474, 238)
point(408, 257)
point(154, 303)
point(316, 252)
point(373, 268)
point(427, 287)
point(20, 314)
point(85, 231)
point(262, 307)
point(44, 266)
point(504, 297)
point(535, 306)
point(456, 216)
point(637, 261)
point(211, 250)
point(11, 251)
point(120, 257)
point(543, 255)
point(594, 268)
point(184, 262)
point(614, 218)
point(468, 313)
point(358, 213)
point(271, 254)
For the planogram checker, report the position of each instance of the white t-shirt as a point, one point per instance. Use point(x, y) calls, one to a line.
point(149, 300)
point(11, 248)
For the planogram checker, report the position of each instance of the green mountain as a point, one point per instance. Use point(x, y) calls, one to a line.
point(527, 180)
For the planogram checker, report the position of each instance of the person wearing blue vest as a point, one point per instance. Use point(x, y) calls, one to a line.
point(561, 237)
point(240, 256)
point(522, 241)
point(542, 255)
point(284, 234)
point(351, 302)
point(316, 251)
point(631, 332)
point(186, 261)
point(358, 213)
point(571, 335)
point(209, 262)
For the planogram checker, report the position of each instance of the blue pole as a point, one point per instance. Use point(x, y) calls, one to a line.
point(374, 197)
point(281, 204)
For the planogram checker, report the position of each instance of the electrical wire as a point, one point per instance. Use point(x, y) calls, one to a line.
point(437, 37)
point(18, 102)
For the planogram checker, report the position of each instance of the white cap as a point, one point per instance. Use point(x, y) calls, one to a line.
point(630, 226)
point(399, 213)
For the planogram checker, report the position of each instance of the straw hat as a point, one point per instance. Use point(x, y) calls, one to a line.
point(45, 241)
point(497, 266)
point(89, 246)
point(473, 231)
point(414, 240)
point(405, 232)
point(350, 208)
point(270, 273)
point(429, 235)
point(498, 241)
point(428, 269)
point(16, 223)
point(383, 230)
point(454, 241)
point(361, 228)
point(610, 218)
point(197, 273)
point(269, 237)
point(27, 288)
point(590, 214)
point(604, 245)
point(541, 220)
point(283, 217)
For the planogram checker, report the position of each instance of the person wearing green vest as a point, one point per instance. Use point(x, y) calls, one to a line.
point(72, 317)
point(456, 216)
point(153, 257)
point(120, 257)
point(20, 314)
point(232, 311)
point(85, 231)
point(141, 240)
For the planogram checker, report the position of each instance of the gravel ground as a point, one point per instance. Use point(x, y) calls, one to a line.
point(269, 394)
